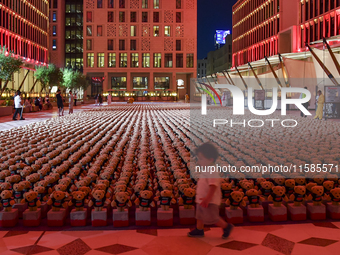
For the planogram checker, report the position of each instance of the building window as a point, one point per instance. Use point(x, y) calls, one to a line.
point(89, 30)
point(133, 30)
point(88, 44)
point(133, 45)
point(162, 82)
point(88, 16)
point(110, 44)
point(54, 45)
point(121, 16)
point(54, 31)
point(145, 4)
point(140, 82)
point(134, 59)
point(110, 17)
point(90, 59)
point(122, 59)
point(99, 30)
point(178, 45)
point(144, 17)
point(155, 30)
point(100, 60)
point(146, 60)
point(133, 16)
point(110, 3)
point(156, 17)
point(112, 60)
point(168, 59)
point(118, 82)
point(99, 3)
point(190, 60)
point(178, 4)
point(55, 4)
point(156, 4)
point(157, 60)
point(179, 60)
point(178, 17)
point(167, 31)
point(54, 16)
point(121, 44)
point(121, 3)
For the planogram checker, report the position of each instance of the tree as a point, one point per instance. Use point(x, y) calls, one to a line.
point(8, 65)
point(75, 80)
point(48, 76)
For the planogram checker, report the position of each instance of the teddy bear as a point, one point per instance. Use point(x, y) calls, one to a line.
point(188, 198)
point(300, 181)
point(334, 196)
point(226, 189)
point(266, 188)
point(309, 187)
point(316, 195)
point(252, 196)
point(4, 174)
point(299, 195)
point(328, 186)
point(42, 194)
point(98, 200)
point(289, 185)
point(235, 200)
point(13, 179)
point(136, 190)
point(57, 200)
point(245, 185)
point(121, 201)
point(165, 199)
point(278, 195)
point(318, 180)
point(78, 200)
point(6, 200)
point(18, 192)
point(31, 198)
point(144, 201)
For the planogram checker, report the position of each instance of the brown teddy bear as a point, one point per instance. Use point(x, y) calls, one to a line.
point(6, 200)
point(31, 198)
point(278, 195)
point(266, 188)
point(252, 196)
point(226, 189)
point(300, 181)
point(235, 200)
point(289, 185)
point(136, 190)
point(334, 196)
point(188, 198)
point(309, 187)
point(328, 185)
point(121, 201)
point(98, 200)
point(18, 192)
point(317, 195)
point(245, 185)
point(144, 201)
point(78, 200)
point(299, 195)
point(57, 200)
point(165, 199)
point(42, 194)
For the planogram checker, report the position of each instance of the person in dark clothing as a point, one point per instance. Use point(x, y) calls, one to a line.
point(37, 103)
point(60, 103)
point(100, 99)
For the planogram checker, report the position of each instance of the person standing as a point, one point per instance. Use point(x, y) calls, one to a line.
point(100, 99)
point(75, 99)
point(17, 105)
point(304, 104)
point(96, 99)
point(70, 103)
point(109, 98)
point(60, 103)
point(319, 110)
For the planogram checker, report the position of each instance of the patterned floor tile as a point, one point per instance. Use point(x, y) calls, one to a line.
point(77, 247)
point(278, 244)
point(223, 251)
point(81, 234)
point(116, 249)
point(152, 232)
point(325, 224)
point(27, 239)
point(55, 240)
point(318, 241)
point(237, 245)
point(32, 249)
point(302, 249)
point(15, 233)
point(266, 229)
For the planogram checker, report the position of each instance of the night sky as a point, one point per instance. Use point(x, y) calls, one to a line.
point(212, 15)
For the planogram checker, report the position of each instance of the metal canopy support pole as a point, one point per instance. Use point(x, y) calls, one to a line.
point(284, 71)
point(226, 77)
point(22, 83)
point(329, 74)
point(232, 82)
point(272, 69)
point(336, 63)
point(257, 78)
point(244, 82)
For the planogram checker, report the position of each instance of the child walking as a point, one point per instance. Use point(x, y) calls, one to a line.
point(208, 194)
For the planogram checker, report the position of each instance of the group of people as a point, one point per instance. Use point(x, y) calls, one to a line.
point(98, 99)
point(72, 101)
